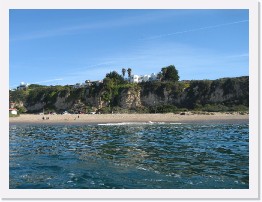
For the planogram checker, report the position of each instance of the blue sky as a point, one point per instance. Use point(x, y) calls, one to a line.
point(52, 47)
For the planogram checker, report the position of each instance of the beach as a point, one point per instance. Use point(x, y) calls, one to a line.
point(187, 117)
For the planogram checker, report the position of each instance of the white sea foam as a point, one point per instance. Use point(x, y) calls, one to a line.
point(134, 123)
point(124, 123)
point(141, 168)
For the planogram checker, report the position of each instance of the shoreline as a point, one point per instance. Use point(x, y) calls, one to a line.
point(130, 118)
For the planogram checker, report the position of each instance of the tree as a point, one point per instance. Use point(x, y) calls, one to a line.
point(115, 77)
point(170, 73)
point(160, 76)
point(33, 86)
point(123, 72)
point(129, 71)
point(164, 70)
point(108, 83)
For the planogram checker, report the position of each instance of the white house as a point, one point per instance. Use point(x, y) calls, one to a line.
point(22, 86)
point(146, 78)
point(153, 77)
point(88, 83)
point(137, 79)
point(97, 83)
point(77, 85)
point(13, 111)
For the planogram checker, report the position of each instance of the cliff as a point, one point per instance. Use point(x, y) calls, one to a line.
point(210, 95)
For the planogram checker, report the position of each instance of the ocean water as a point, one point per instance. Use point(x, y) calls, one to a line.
point(130, 155)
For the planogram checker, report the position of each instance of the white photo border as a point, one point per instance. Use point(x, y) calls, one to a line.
point(251, 193)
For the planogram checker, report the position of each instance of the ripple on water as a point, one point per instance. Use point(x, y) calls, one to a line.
point(131, 155)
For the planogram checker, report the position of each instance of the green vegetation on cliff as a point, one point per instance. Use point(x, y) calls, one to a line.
point(218, 95)
point(117, 94)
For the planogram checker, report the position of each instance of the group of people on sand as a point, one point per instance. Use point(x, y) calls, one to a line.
point(77, 117)
point(47, 118)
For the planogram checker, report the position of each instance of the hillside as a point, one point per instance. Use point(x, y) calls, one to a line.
point(117, 95)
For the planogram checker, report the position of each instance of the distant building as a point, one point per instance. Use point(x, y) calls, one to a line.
point(12, 105)
point(146, 78)
point(185, 81)
point(13, 111)
point(142, 78)
point(22, 86)
point(153, 77)
point(97, 83)
point(77, 85)
point(88, 83)
point(135, 78)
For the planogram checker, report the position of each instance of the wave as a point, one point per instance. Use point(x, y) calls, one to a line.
point(134, 123)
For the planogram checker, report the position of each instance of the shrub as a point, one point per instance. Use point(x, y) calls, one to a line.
point(215, 108)
point(162, 109)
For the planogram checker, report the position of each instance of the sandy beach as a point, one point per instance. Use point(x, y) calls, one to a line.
point(120, 118)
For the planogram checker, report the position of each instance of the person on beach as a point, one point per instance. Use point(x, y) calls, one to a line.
point(43, 118)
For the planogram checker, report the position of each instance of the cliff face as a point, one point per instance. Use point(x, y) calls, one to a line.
point(62, 102)
point(191, 94)
point(35, 107)
point(130, 99)
point(226, 91)
point(153, 98)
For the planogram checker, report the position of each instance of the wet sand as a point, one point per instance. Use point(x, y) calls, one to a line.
point(121, 118)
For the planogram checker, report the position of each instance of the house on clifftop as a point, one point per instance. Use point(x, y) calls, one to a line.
point(142, 78)
point(22, 86)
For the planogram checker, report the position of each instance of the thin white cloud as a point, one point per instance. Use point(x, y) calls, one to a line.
point(88, 74)
point(40, 82)
point(74, 29)
point(95, 71)
point(93, 65)
point(86, 68)
point(194, 30)
point(48, 81)
point(239, 55)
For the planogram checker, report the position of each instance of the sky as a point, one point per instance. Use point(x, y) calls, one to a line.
point(59, 47)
